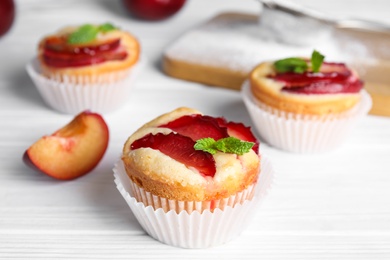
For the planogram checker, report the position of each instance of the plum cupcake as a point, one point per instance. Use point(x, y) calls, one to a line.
point(192, 180)
point(86, 67)
point(305, 105)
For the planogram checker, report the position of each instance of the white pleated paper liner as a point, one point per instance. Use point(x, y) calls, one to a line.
point(195, 230)
point(148, 199)
point(106, 95)
point(299, 133)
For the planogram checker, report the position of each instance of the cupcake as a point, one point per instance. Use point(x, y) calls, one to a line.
point(86, 67)
point(192, 180)
point(305, 105)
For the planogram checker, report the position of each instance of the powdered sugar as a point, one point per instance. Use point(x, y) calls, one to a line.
point(236, 42)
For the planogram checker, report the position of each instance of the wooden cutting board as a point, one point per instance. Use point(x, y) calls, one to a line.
point(222, 51)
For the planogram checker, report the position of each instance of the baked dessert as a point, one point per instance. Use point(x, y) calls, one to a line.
point(179, 156)
point(193, 180)
point(305, 106)
point(88, 67)
point(88, 51)
point(304, 86)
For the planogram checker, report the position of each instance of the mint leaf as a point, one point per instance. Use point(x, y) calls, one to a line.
point(205, 144)
point(226, 145)
point(106, 27)
point(88, 32)
point(233, 145)
point(296, 65)
point(316, 61)
point(83, 34)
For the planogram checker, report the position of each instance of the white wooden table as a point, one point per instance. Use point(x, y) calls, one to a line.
point(328, 206)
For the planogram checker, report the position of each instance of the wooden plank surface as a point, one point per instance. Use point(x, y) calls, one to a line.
point(325, 206)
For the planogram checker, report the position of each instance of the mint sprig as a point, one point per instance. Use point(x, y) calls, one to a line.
point(88, 32)
point(296, 65)
point(299, 65)
point(226, 145)
point(106, 27)
point(316, 61)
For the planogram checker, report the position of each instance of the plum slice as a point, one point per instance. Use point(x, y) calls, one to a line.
point(197, 127)
point(63, 60)
point(72, 151)
point(180, 148)
point(333, 78)
point(59, 44)
point(200, 126)
point(57, 53)
point(179, 144)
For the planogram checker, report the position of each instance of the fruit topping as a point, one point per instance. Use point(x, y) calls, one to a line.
point(340, 80)
point(323, 87)
point(57, 53)
point(180, 148)
point(339, 74)
point(63, 59)
point(59, 44)
point(81, 48)
point(200, 126)
point(315, 76)
point(197, 126)
point(196, 137)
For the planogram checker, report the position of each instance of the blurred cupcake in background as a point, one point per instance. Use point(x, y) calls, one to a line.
point(86, 67)
point(305, 105)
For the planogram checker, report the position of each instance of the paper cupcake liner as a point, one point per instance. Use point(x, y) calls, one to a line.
point(106, 94)
point(157, 202)
point(104, 78)
point(195, 229)
point(302, 133)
